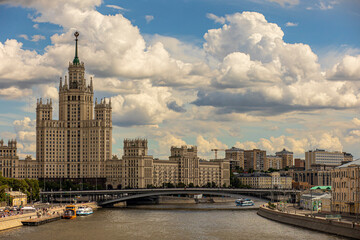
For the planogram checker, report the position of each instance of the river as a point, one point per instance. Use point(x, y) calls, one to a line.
point(142, 224)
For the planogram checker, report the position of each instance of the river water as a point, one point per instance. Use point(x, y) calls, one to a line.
point(145, 224)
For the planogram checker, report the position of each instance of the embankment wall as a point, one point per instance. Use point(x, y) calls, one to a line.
point(341, 228)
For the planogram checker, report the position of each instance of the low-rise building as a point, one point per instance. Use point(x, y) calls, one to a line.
point(261, 180)
point(345, 185)
point(317, 201)
point(17, 198)
point(299, 164)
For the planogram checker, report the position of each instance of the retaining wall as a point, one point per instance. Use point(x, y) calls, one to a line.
point(341, 228)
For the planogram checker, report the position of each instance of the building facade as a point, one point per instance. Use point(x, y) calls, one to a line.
point(274, 162)
point(260, 180)
point(345, 185)
point(254, 159)
point(78, 144)
point(236, 158)
point(8, 158)
point(287, 158)
point(322, 159)
point(311, 177)
point(137, 169)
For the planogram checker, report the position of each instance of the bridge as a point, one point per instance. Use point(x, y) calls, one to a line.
point(111, 197)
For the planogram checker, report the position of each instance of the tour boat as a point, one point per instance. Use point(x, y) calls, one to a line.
point(70, 212)
point(84, 210)
point(244, 202)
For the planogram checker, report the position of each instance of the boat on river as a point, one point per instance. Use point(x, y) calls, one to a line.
point(84, 210)
point(70, 212)
point(244, 202)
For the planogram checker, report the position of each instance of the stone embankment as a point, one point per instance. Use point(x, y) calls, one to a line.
point(338, 227)
point(15, 221)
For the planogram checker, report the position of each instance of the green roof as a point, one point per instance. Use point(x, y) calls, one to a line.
point(321, 187)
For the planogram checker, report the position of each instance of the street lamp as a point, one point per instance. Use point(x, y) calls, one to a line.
point(311, 203)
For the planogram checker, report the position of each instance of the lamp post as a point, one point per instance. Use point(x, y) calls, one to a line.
point(311, 203)
point(357, 194)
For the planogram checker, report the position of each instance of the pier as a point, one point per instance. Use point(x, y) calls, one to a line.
point(40, 221)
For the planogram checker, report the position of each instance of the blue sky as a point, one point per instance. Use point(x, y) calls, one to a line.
point(285, 74)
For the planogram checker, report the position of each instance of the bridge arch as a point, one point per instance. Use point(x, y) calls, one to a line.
point(161, 193)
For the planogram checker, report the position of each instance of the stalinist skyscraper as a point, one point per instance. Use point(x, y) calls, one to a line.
point(78, 144)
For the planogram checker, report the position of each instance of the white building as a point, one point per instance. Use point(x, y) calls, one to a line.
point(318, 157)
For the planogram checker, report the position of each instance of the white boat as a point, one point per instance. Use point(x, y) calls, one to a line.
point(84, 210)
point(244, 202)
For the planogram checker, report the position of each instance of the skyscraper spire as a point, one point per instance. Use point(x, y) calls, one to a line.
point(76, 60)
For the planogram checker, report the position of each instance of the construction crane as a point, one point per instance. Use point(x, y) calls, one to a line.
point(216, 150)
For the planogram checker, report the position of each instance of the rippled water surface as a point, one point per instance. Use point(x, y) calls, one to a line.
point(164, 224)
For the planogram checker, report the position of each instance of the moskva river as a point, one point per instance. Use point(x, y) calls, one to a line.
point(108, 224)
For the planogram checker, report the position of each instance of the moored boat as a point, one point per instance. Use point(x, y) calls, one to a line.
point(84, 210)
point(70, 212)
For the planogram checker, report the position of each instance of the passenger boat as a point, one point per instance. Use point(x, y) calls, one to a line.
point(244, 202)
point(84, 210)
point(70, 212)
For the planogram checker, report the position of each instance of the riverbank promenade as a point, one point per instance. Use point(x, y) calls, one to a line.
point(41, 212)
point(347, 227)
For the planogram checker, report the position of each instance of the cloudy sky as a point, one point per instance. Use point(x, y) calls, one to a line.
point(267, 74)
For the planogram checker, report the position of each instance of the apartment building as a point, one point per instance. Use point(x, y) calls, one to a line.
point(345, 186)
point(287, 158)
point(236, 158)
point(274, 162)
point(321, 159)
point(254, 159)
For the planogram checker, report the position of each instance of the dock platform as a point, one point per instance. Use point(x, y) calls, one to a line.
point(40, 221)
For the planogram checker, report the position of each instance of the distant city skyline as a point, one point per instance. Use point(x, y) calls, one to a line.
point(268, 74)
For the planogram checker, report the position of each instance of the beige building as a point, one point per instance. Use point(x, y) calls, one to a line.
point(274, 162)
point(138, 170)
point(287, 158)
point(320, 159)
point(8, 158)
point(345, 186)
point(18, 198)
point(236, 157)
point(312, 177)
point(254, 159)
point(273, 180)
point(78, 146)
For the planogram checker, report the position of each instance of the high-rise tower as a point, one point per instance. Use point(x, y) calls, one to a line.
point(78, 144)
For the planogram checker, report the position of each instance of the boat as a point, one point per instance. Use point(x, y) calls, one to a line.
point(84, 210)
point(70, 212)
point(244, 202)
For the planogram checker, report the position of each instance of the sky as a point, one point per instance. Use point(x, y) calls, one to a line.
point(268, 74)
